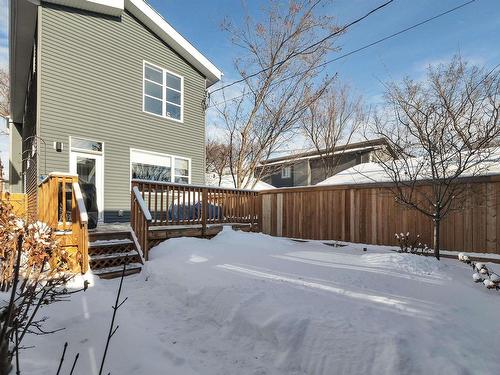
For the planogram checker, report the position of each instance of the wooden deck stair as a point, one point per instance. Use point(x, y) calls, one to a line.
point(110, 250)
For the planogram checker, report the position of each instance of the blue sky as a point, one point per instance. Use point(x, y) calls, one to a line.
point(473, 31)
point(4, 60)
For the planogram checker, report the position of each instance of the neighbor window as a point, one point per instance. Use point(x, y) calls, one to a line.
point(286, 172)
point(158, 167)
point(163, 92)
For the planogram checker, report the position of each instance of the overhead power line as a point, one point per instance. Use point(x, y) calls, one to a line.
point(368, 45)
point(304, 50)
point(396, 33)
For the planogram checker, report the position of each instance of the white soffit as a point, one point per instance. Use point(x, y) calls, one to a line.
point(109, 7)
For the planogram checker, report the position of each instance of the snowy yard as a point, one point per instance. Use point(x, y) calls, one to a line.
point(246, 303)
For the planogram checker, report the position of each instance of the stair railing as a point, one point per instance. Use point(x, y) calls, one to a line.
point(80, 226)
point(140, 219)
point(61, 207)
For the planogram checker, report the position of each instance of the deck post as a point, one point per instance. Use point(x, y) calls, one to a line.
point(204, 209)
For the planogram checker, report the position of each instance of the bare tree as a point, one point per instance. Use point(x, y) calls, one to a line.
point(331, 121)
point(265, 115)
point(35, 267)
point(218, 158)
point(441, 129)
point(4, 93)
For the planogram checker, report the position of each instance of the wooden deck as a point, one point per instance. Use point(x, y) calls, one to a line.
point(157, 234)
point(166, 210)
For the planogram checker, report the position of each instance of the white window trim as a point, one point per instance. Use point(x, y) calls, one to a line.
point(174, 159)
point(172, 162)
point(286, 172)
point(103, 159)
point(164, 90)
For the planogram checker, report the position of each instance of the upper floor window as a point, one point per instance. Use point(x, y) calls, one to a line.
point(163, 92)
point(286, 172)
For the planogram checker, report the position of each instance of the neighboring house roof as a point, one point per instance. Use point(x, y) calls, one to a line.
point(363, 173)
point(227, 181)
point(364, 146)
point(367, 173)
point(22, 29)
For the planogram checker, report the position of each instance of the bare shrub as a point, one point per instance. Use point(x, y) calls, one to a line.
point(35, 267)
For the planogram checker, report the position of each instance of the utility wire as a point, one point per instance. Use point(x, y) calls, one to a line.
point(295, 54)
point(363, 47)
point(396, 33)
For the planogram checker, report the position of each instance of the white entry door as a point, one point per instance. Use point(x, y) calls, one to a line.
point(89, 168)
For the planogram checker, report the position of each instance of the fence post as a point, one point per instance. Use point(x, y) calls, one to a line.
point(204, 203)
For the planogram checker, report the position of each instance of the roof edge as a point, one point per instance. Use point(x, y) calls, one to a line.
point(108, 7)
point(151, 18)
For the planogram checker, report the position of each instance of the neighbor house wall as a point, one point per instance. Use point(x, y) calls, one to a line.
point(344, 161)
point(15, 158)
point(300, 174)
point(33, 149)
point(92, 87)
point(276, 180)
point(310, 171)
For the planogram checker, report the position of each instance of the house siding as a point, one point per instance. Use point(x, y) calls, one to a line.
point(92, 87)
point(15, 158)
point(299, 177)
point(32, 145)
point(301, 173)
point(276, 180)
point(346, 161)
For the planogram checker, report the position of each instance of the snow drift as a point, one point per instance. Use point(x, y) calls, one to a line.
point(245, 303)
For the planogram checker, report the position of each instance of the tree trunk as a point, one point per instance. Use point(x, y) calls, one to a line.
point(437, 237)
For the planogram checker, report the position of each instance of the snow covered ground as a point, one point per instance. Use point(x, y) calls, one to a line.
point(246, 303)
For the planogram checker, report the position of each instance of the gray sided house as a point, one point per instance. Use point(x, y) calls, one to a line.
point(107, 90)
point(306, 168)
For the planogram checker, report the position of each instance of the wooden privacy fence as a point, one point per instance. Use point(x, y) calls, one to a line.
point(18, 201)
point(369, 214)
point(166, 204)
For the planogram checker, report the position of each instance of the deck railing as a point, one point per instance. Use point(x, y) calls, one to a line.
point(61, 207)
point(140, 219)
point(179, 204)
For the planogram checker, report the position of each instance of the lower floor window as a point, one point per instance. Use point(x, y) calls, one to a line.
point(158, 167)
point(181, 171)
point(142, 171)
